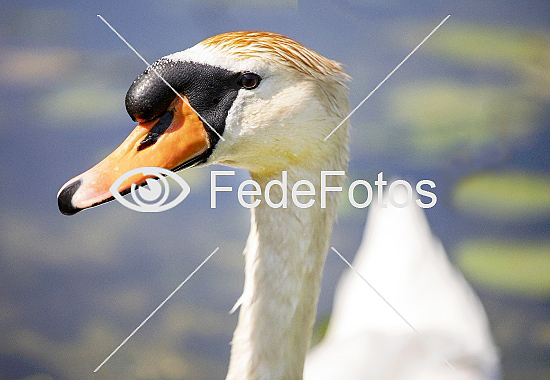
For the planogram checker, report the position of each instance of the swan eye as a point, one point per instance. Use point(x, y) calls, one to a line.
point(249, 81)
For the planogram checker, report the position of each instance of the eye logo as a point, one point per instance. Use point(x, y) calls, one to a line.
point(152, 196)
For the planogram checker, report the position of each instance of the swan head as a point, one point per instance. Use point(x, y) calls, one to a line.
point(253, 100)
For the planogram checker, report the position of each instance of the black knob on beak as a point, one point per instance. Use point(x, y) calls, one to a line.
point(64, 199)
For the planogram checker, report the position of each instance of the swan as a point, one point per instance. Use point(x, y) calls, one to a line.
point(266, 103)
point(408, 265)
point(262, 102)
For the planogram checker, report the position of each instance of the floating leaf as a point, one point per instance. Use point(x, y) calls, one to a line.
point(90, 102)
point(506, 195)
point(492, 46)
point(441, 117)
point(511, 267)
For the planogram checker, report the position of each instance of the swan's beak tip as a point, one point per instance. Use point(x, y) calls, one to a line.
point(64, 199)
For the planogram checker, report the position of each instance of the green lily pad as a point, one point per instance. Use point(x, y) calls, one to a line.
point(320, 330)
point(518, 51)
point(521, 268)
point(491, 46)
point(82, 103)
point(504, 196)
point(441, 117)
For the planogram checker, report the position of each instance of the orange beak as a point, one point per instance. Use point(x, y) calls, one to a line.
point(167, 142)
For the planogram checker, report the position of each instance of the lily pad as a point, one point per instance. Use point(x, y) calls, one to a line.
point(491, 46)
point(521, 268)
point(505, 196)
point(438, 118)
point(82, 103)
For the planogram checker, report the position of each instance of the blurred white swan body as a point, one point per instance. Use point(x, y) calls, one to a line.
point(401, 259)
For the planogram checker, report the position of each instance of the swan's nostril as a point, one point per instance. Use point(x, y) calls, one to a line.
point(160, 127)
point(64, 199)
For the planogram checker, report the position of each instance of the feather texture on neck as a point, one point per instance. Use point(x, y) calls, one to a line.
point(285, 254)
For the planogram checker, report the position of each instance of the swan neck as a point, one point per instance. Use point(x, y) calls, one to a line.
point(285, 255)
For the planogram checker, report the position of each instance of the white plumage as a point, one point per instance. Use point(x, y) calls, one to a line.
point(401, 259)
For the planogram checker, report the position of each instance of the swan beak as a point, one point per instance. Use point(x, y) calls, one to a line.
point(170, 141)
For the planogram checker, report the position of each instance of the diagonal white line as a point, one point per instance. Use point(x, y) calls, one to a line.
point(160, 76)
point(387, 77)
point(426, 343)
point(157, 309)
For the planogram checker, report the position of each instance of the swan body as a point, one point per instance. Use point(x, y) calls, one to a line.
point(402, 259)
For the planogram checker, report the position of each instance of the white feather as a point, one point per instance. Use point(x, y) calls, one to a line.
point(402, 260)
